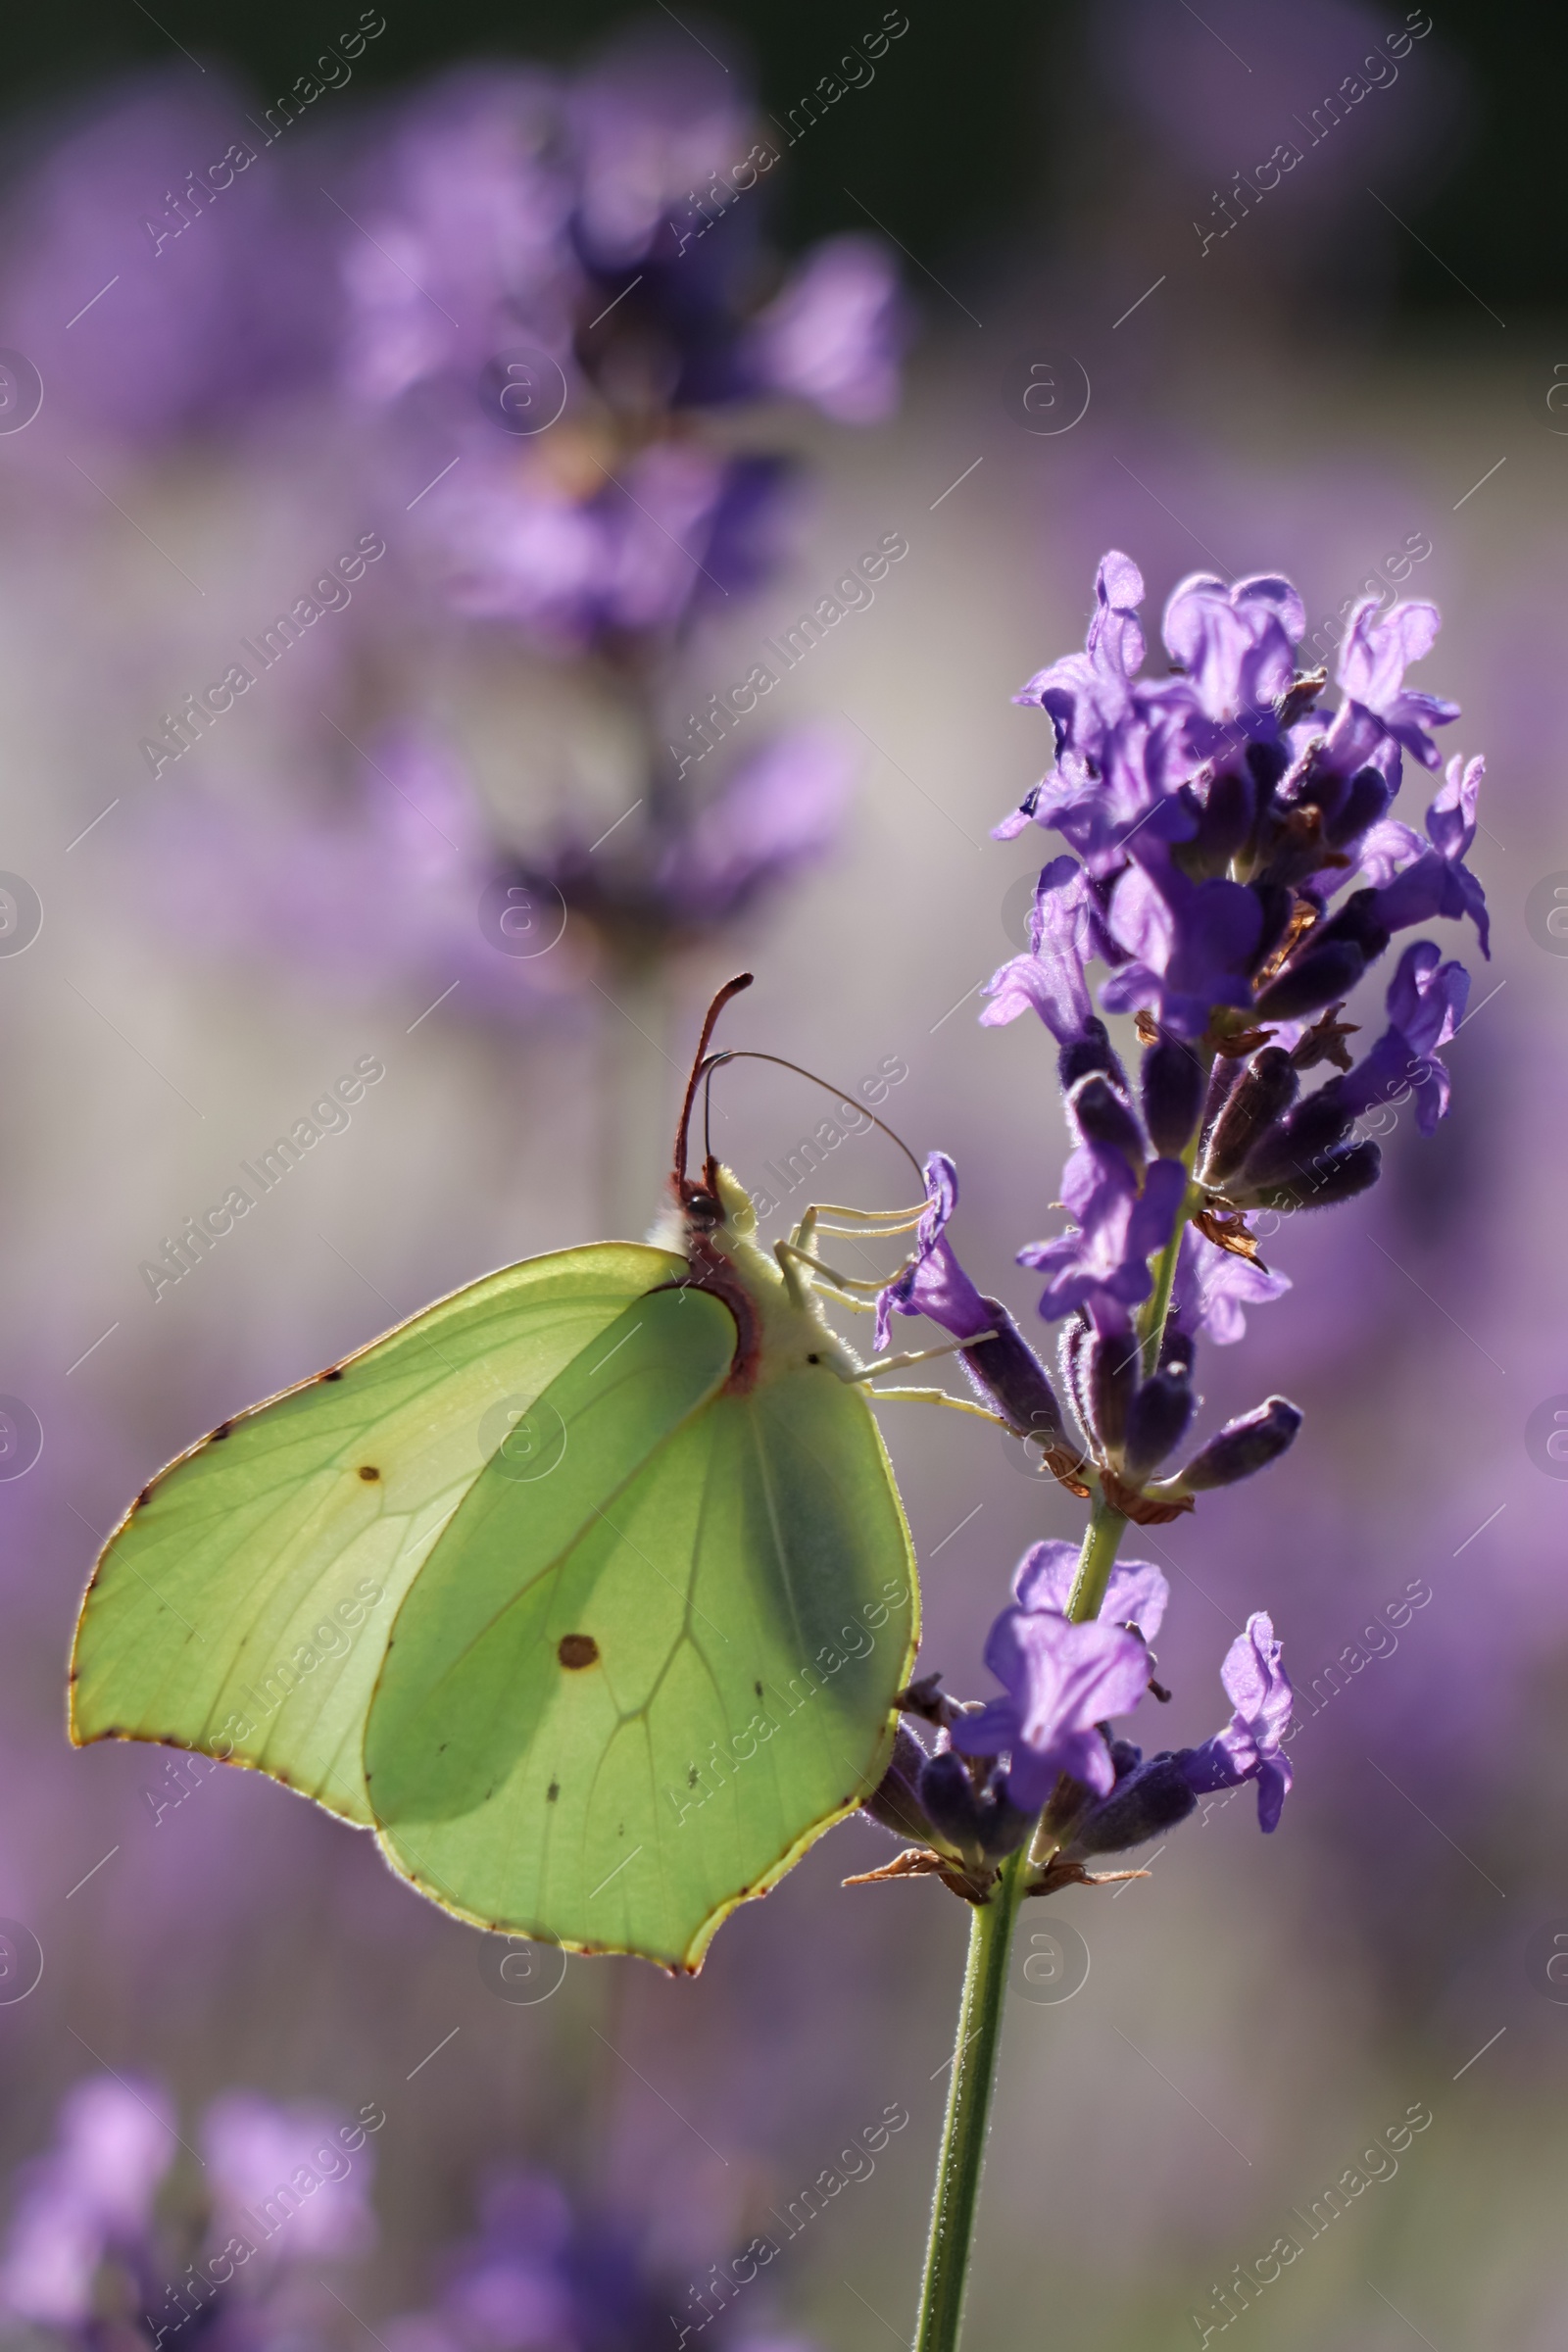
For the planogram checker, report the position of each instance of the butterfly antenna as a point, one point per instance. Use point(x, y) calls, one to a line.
point(841, 1094)
point(731, 988)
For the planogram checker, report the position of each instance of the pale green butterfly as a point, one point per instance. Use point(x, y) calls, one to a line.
point(588, 1590)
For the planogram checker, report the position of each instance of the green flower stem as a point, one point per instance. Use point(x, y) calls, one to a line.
point(968, 2117)
point(985, 1976)
point(1101, 1539)
point(1156, 1306)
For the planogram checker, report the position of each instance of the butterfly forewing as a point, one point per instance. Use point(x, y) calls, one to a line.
point(244, 1604)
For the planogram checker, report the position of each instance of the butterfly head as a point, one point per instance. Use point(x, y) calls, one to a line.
point(715, 1203)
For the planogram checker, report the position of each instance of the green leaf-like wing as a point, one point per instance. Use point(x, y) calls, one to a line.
point(244, 1604)
point(610, 1714)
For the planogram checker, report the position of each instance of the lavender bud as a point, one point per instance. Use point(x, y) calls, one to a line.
point(1243, 1446)
point(948, 1797)
point(1177, 1350)
point(1092, 1051)
point(1326, 974)
point(1008, 1375)
point(1101, 1115)
point(1113, 1385)
point(1072, 1357)
point(1125, 1757)
point(1266, 1089)
point(895, 1802)
point(1173, 1085)
point(1287, 1152)
point(1366, 800)
point(1358, 924)
point(1334, 1177)
point(1003, 1826)
point(1156, 1422)
point(1153, 1797)
point(1221, 1085)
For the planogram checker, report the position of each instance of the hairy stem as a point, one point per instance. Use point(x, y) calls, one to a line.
point(963, 2133)
point(1101, 1537)
point(1156, 1306)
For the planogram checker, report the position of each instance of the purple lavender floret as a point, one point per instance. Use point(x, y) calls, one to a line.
point(933, 1283)
point(1250, 1747)
point(1137, 1595)
point(1061, 1681)
point(1103, 1263)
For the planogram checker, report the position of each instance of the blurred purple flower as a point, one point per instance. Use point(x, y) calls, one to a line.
point(291, 2161)
point(684, 873)
point(465, 204)
point(832, 336)
point(151, 310)
point(91, 2195)
point(1249, 1748)
point(579, 222)
point(537, 2277)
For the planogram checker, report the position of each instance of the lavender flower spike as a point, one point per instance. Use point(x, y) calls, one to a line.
point(1061, 1681)
point(1251, 1748)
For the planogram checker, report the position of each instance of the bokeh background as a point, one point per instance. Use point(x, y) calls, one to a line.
point(1009, 296)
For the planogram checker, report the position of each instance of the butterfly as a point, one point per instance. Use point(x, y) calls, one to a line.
point(588, 1590)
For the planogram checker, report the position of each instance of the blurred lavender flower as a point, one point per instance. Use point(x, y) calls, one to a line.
point(255, 2149)
point(91, 2258)
point(88, 2201)
point(538, 2278)
point(152, 310)
point(690, 870)
point(568, 225)
point(561, 340)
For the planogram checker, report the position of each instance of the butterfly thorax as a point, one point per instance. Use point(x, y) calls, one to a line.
point(781, 1329)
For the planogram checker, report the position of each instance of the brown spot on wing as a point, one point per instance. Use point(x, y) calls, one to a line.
point(370, 1471)
point(576, 1650)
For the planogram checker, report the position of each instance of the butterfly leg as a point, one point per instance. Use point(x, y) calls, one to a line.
point(960, 1404)
point(803, 1269)
point(916, 1355)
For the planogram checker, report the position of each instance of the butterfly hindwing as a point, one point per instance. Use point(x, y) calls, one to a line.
point(614, 1740)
